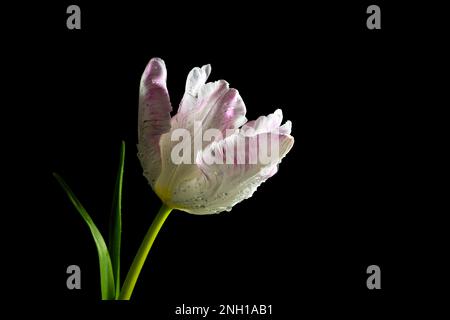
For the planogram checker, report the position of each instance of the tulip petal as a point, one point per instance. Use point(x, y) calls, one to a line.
point(268, 123)
point(196, 79)
point(222, 185)
point(214, 104)
point(154, 117)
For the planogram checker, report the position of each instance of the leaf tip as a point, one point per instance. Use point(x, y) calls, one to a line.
point(56, 176)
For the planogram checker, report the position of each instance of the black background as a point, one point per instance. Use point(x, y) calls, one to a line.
point(344, 198)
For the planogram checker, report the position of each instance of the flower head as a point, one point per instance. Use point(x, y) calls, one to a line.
point(207, 157)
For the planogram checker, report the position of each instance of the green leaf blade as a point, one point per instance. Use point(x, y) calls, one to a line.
point(115, 228)
point(106, 271)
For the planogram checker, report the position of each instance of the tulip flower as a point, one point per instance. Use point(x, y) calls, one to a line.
point(199, 187)
point(220, 172)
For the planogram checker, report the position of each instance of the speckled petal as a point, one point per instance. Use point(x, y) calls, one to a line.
point(154, 117)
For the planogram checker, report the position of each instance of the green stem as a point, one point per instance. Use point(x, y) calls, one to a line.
point(142, 253)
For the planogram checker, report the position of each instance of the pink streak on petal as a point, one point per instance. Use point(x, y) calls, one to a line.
point(154, 116)
point(229, 113)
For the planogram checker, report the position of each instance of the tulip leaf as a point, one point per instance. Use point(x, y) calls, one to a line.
point(115, 227)
point(106, 271)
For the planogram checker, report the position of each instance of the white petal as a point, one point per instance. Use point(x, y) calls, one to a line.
point(264, 123)
point(221, 186)
point(213, 104)
point(286, 127)
point(196, 79)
